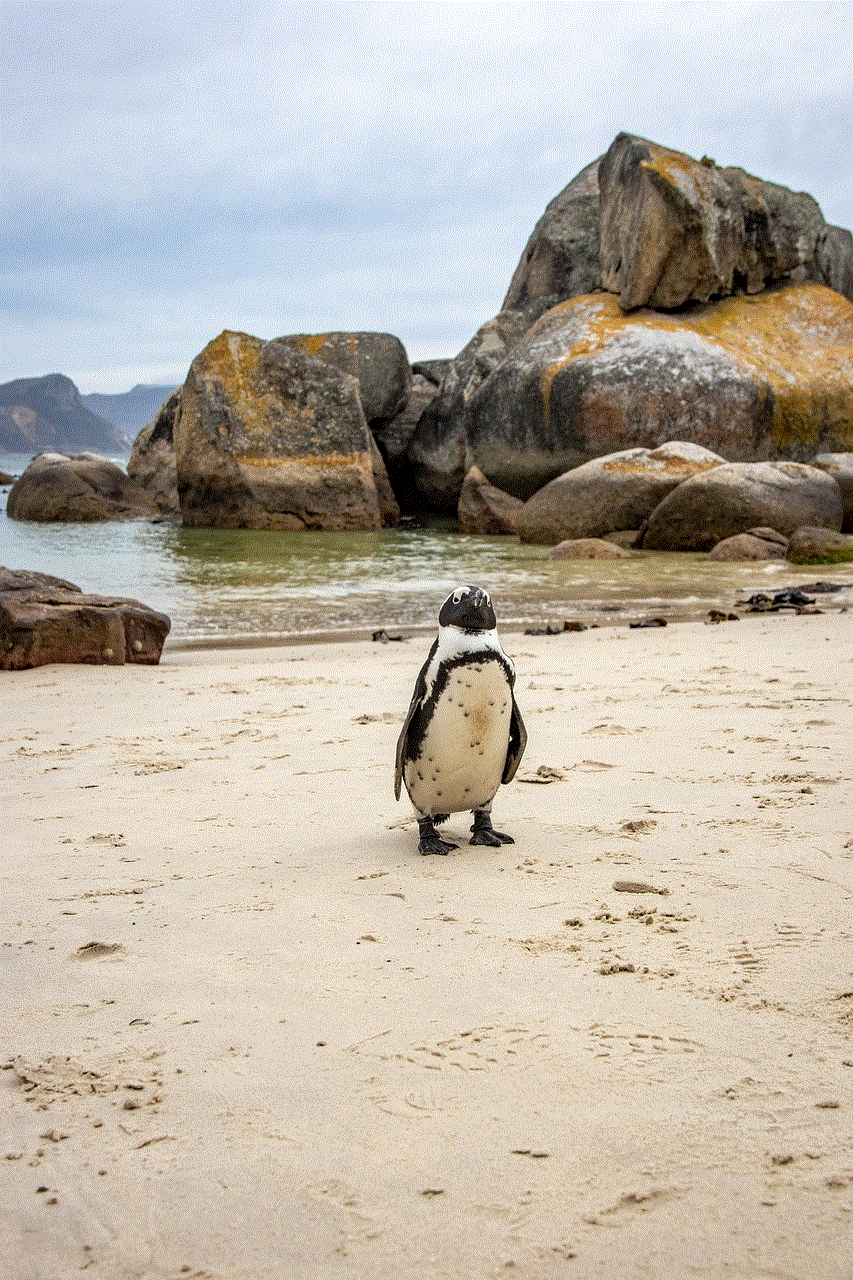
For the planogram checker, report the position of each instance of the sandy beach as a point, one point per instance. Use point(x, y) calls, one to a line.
point(250, 1032)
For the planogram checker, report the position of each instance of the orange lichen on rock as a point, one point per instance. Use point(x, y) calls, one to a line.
point(797, 338)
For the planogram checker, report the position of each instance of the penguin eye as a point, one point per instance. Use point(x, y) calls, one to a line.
point(457, 596)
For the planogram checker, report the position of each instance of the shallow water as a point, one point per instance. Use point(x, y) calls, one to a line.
point(217, 584)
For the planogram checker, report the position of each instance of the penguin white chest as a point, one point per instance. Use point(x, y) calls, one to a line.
point(464, 747)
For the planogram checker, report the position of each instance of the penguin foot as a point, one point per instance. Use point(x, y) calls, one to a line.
point(484, 832)
point(431, 841)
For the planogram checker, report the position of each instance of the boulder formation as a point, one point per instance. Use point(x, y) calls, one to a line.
point(755, 544)
point(562, 257)
point(658, 298)
point(484, 509)
point(152, 458)
point(85, 487)
point(45, 619)
point(588, 549)
point(377, 360)
point(615, 492)
point(840, 466)
point(676, 230)
point(737, 497)
point(820, 546)
point(268, 437)
point(743, 377)
point(562, 375)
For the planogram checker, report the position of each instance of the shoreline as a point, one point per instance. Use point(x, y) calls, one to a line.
point(582, 620)
point(252, 1033)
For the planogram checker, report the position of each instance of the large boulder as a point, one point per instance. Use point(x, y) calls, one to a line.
point(560, 261)
point(85, 487)
point(377, 360)
point(268, 437)
point(588, 549)
point(485, 509)
point(44, 619)
point(743, 377)
point(674, 230)
point(617, 491)
point(737, 497)
point(437, 452)
point(840, 466)
point(756, 544)
point(561, 258)
point(394, 437)
point(820, 546)
point(659, 229)
point(152, 458)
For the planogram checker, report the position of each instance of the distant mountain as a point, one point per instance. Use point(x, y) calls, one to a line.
point(48, 413)
point(131, 410)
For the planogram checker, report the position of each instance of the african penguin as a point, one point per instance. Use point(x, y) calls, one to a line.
point(463, 735)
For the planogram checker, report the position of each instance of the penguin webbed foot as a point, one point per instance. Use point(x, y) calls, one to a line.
point(484, 832)
point(431, 841)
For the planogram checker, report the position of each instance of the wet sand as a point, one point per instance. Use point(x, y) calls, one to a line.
point(250, 1032)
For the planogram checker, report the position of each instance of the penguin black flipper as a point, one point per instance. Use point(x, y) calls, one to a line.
point(415, 706)
point(517, 743)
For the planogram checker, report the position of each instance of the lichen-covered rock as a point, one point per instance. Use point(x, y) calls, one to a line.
point(433, 370)
point(394, 437)
point(561, 258)
point(820, 546)
point(268, 437)
point(748, 378)
point(45, 619)
point(674, 230)
point(377, 360)
point(32, 580)
point(756, 544)
point(485, 509)
point(84, 488)
point(389, 507)
point(659, 229)
point(737, 497)
point(616, 491)
point(588, 549)
point(152, 458)
point(438, 452)
point(840, 466)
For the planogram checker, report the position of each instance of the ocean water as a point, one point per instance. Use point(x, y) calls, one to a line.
point(221, 585)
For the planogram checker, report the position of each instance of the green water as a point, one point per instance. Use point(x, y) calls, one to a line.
point(217, 584)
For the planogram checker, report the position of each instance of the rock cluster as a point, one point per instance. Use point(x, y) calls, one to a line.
point(83, 487)
point(739, 496)
point(659, 299)
point(45, 619)
point(587, 357)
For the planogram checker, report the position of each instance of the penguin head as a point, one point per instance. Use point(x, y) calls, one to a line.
point(469, 608)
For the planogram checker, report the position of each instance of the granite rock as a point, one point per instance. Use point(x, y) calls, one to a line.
point(85, 487)
point(737, 497)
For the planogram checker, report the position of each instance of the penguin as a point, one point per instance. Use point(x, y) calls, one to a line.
point(463, 735)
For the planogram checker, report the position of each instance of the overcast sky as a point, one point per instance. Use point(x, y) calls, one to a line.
point(173, 168)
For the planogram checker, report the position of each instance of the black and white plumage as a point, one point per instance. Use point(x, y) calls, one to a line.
point(463, 735)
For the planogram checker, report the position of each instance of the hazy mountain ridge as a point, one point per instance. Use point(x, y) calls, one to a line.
point(49, 413)
point(132, 410)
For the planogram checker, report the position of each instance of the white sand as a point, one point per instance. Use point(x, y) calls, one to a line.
point(316, 1054)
